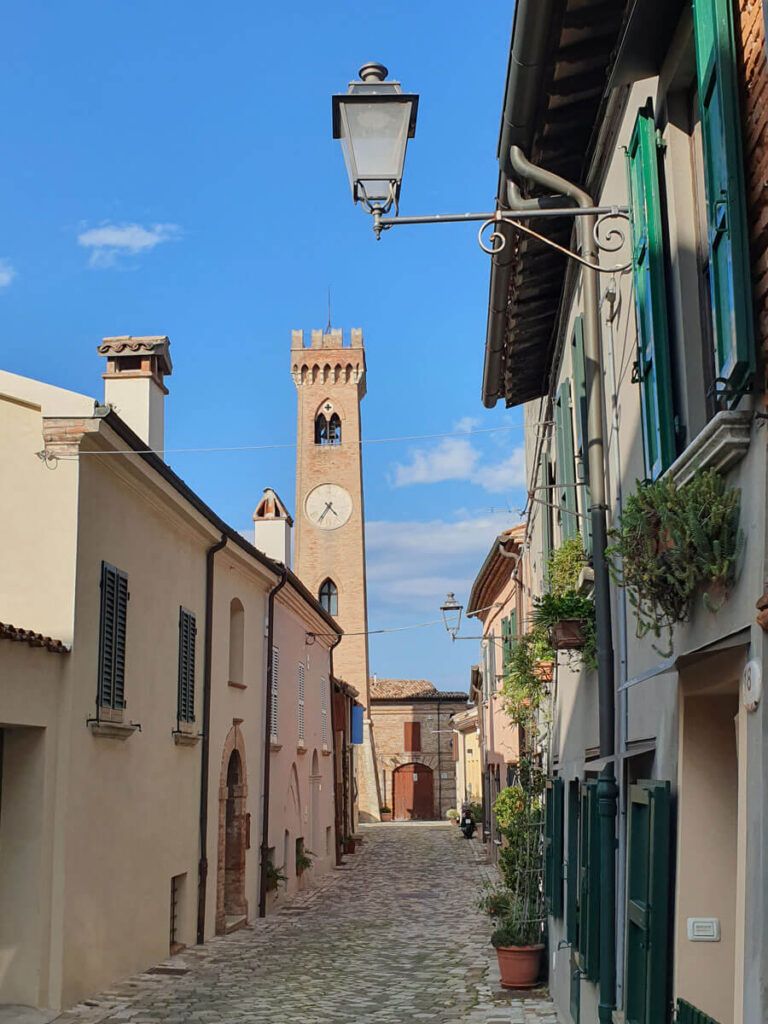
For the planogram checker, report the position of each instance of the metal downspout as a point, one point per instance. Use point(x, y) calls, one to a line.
point(202, 872)
point(338, 813)
point(607, 789)
point(267, 737)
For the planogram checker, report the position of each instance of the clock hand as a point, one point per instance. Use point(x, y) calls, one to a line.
point(324, 513)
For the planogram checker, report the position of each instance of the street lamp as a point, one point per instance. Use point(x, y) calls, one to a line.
point(451, 610)
point(374, 121)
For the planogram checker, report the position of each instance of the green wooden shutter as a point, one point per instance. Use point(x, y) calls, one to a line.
point(555, 832)
point(549, 818)
point(648, 862)
point(589, 894)
point(186, 688)
point(729, 266)
point(572, 867)
point(653, 360)
point(688, 1014)
point(546, 510)
point(566, 466)
point(112, 634)
point(582, 434)
point(512, 626)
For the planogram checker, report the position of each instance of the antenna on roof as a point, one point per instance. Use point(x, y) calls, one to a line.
point(328, 329)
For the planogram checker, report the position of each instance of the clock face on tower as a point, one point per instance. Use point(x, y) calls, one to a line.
point(328, 506)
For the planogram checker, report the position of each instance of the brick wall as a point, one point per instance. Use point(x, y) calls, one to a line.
point(436, 745)
point(750, 39)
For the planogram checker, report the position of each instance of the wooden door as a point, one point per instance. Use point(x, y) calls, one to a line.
point(413, 790)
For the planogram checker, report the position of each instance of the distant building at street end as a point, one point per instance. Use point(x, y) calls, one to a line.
point(415, 746)
point(468, 757)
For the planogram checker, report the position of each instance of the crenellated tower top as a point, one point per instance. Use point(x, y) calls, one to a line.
point(327, 360)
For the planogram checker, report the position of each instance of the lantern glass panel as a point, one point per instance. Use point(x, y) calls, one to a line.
point(374, 138)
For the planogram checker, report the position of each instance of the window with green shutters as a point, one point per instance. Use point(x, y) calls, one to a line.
point(566, 466)
point(653, 369)
point(729, 266)
point(582, 455)
point(545, 509)
point(508, 635)
point(186, 689)
point(589, 883)
point(646, 975)
point(112, 635)
point(553, 847)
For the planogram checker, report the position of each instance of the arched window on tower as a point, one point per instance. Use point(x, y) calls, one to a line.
point(334, 429)
point(321, 430)
point(329, 597)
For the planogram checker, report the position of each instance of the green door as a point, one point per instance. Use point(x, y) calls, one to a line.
point(648, 863)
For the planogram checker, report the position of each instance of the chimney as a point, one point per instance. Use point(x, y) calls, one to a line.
point(133, 384)
point(272, 527)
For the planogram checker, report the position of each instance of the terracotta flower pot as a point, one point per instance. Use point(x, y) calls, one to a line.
point(386, 815)
point(519, 965)
point(544, 671)
point(567, 635)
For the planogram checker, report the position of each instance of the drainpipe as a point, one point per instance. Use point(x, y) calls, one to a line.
point(267, 737)
point(202, 873)
point(337, 816)
point(607, 790)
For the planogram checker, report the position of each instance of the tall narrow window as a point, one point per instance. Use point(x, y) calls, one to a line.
point(566, 465)
point(236, 641)
point(329, 597)
point(321, 430)
point(324, 712)
point(412, 737)
point(112, 633)
point(653, 363)
point(273, 702)
point(300, 702)
point(186, 693)
point(334, 429)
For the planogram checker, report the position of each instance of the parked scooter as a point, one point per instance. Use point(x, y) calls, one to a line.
point(467, 825)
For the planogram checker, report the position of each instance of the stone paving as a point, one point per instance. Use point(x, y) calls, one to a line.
point(391, 937)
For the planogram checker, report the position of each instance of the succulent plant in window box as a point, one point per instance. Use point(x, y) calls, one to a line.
point(673, 544)
point(570, 619)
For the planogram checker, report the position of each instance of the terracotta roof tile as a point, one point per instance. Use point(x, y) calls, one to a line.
point(9, 632)
point(397, 688)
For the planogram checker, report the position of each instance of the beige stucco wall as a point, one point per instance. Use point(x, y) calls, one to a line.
point(301, 774)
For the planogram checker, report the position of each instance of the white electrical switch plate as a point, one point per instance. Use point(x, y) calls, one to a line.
point(703, 929)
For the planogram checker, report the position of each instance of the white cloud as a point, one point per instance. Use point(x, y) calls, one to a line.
point(456, 458)
point(7, 273)
point(412, 565)
point(109, 241)
point(466, 423)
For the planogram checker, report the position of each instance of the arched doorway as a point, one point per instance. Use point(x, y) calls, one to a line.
point(413, 793)
point(231, 902)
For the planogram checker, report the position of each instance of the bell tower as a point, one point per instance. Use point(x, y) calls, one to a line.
point(329, 555)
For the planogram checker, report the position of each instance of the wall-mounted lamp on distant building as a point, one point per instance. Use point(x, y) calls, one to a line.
point(452, 610)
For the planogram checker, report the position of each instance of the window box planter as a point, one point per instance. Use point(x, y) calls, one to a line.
point(568, 635)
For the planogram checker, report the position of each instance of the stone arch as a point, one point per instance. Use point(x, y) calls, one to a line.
point(315, 373)
point(304, 373)
point(337, 371)
point(326, 373)
point(348, 373)
point(398, 760)
point(315, 779)
point(233, 793)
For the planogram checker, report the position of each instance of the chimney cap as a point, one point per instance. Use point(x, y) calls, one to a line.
point(125, 345)
point(272, 506)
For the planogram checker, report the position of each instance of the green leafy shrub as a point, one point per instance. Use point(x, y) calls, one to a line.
point(518, 926)
point(671, 543)
point(475, 808)
point(523, 689)
point(304, 861)
point(274, 877)
point(549, 609)
point(565, 564)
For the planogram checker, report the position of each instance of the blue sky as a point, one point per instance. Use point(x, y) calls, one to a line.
point(169, 169)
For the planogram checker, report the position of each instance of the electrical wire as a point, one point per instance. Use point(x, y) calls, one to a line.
point(293, 444)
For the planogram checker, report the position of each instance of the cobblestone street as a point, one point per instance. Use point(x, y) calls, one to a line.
point(393, 936)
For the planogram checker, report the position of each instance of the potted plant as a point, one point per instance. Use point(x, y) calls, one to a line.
point(674, 543)
point(349, 844)
point(385, 813)
point(495, 901)
point(565, 614)
point(517, 939)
